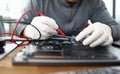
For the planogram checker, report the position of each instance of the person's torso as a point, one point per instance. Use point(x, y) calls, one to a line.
point(71, 19)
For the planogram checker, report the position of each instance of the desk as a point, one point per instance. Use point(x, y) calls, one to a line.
point(6, 67)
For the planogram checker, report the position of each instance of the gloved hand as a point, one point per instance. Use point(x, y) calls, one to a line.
point(96, 34)
point(46, 25)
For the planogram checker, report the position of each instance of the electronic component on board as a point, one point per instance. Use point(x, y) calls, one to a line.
point(60, 50)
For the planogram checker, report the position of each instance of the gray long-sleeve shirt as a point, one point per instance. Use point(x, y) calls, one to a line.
point(72, 18)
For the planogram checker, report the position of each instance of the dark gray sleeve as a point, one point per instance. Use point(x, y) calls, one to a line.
point(100, 14)
point(32, 4)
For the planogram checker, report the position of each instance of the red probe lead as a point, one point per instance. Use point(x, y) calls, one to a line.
point(58, 30)
point(41, 14)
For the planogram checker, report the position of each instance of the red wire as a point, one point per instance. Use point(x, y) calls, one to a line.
point(60, 32)
point(41, 14)
point(14, 30)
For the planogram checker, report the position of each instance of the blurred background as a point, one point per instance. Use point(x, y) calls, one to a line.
point(8, 8)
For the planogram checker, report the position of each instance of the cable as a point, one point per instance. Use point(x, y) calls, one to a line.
point(19, 20)
point(60, 32)
point(25, 39)
point(41, 14)
point(37, 30)
point(14, 30)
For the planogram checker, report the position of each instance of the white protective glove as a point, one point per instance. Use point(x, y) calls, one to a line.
point(46, 25)
point(96, 34)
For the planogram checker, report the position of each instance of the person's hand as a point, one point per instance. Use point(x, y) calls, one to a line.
point(43, 24)
point(96, 34)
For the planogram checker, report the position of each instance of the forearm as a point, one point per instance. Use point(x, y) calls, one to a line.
point(27, 18)
point(20, 28)
point(115, 32)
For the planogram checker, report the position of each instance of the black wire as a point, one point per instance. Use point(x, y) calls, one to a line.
point(37, 30)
